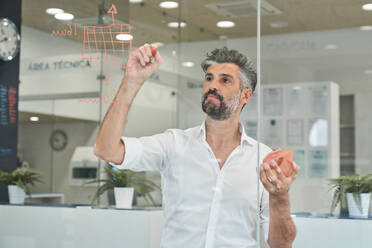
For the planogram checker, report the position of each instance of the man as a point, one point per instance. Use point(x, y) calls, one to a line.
point(209, 173)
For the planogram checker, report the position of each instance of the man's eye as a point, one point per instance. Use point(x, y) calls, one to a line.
point(226, 80)
point(208, 78)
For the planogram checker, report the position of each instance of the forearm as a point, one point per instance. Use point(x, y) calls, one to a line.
point(282, 230)
point(108, 145)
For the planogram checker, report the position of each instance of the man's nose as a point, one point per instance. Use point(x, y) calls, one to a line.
point(213, 84)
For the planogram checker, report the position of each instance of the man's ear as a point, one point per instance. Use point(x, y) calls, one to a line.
point(247, 94)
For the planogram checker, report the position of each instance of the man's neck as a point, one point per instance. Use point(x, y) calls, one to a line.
point(222, 133)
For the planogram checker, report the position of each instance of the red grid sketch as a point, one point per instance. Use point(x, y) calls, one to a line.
point(97, 36)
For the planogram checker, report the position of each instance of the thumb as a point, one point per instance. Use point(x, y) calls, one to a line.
point(158, 58)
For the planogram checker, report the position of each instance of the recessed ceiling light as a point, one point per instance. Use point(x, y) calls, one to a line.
point(157, 44)
point(330, 47)
point(188, 64)
point(368, 72)
point(365, 28)
point(279, 24)
point(10, 57)
point(367, 7)
point(175, 24)
point(64, 16)
point(168, 5)
point(34, 118)
point(124, 37)
point(53, 11)
point(174, 52)
point(225, 24)
point(135, 1)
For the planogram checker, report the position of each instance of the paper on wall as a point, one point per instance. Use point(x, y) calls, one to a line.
point(318, 164)
point(295, 132)
point(273, 101)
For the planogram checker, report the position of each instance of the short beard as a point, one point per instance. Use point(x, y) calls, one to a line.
point(226, 108)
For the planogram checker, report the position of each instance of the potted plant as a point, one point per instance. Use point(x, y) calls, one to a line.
point(18, 182)
point(355, 191)
point(124, 183)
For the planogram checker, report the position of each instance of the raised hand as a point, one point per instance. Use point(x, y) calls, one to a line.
point(142, 63)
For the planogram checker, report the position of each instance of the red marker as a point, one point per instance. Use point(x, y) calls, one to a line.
point(153, 50)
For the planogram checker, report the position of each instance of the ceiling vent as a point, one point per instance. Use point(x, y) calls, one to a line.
point(242, 8)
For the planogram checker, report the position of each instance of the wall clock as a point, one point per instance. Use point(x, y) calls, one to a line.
point(58, 140)
point(9, 40)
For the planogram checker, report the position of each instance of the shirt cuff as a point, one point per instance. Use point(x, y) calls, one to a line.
point(133, 148)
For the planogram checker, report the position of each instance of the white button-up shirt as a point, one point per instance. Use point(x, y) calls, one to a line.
point(204, 206)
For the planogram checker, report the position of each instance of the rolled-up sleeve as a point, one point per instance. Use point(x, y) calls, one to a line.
point(149, 153)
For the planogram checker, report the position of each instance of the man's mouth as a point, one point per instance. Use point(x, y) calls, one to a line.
point(212, 96)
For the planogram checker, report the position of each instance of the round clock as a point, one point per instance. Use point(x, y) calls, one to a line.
point(9, 40)
point(58, 140)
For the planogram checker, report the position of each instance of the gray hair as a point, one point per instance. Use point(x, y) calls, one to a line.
point(248, 75)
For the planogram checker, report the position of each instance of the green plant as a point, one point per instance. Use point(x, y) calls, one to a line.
point(125, 178)
point(350, 184)
point(21, 177)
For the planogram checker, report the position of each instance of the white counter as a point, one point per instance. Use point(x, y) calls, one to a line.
point(63, 227)
point(52, 227)
point(333, 233)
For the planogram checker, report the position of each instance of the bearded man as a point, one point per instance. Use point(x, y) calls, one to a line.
point(209, 172)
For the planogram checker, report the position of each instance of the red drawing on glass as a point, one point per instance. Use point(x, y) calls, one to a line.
point(65, 32)
point(97, 36)
point(100, 43)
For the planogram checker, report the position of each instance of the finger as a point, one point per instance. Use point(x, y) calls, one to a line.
point(147, 48)
point(296, 169)
point(279, 171)
point(140, 57)
point(267, 174)
point(276, 184)
point(270, 175)
point(158, 57)
point(144, 55)
point(264, 180)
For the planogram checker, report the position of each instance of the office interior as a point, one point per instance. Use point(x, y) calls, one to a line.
point(314, 60)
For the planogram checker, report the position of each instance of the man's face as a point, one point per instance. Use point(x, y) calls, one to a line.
point(221, 91)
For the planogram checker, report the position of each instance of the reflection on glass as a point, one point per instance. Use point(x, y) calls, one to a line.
point(318, 135)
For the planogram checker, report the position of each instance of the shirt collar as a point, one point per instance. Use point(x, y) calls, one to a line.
point(244, 138)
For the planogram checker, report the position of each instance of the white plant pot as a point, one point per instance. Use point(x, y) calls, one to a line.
point(16, 194)
point(354, 211)
point(123, 197)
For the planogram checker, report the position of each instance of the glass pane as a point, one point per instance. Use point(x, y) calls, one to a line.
point(35, 126)
point(60, 86)
point(315, 96)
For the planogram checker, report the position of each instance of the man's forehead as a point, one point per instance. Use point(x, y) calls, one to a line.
point(220, 68)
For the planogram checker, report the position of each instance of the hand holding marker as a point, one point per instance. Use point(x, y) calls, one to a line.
point(153, 50)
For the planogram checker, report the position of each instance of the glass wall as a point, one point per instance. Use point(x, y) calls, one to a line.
point(312, 99)
point(316, 88)
point(316, 85)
